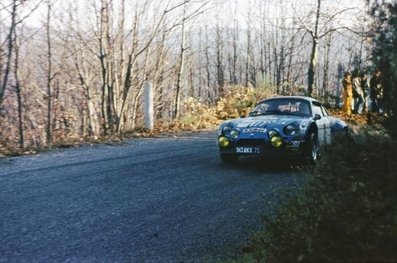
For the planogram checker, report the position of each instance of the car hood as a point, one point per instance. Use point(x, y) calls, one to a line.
point(266, 120)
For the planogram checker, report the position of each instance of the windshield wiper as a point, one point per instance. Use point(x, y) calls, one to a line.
point(268, 112)
point(254, 113)
point(272, 112)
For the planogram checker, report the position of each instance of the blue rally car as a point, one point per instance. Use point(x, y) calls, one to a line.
point(286, 125)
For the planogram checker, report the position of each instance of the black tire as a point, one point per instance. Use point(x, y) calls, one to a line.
point(345, 132)
point(312, 149)
point(229, 158)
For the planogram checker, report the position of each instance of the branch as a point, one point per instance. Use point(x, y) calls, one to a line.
point(330, 18)
point(368, 33)
point(306, 27)
point(31, 12)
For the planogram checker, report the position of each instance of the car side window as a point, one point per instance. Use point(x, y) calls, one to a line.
point(325, 112)
point(304, 108)
point(317, 109)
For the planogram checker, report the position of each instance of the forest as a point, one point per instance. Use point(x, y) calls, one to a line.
point(76, 70)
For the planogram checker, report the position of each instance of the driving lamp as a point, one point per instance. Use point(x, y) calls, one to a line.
point(223, 141)
point(276, 141)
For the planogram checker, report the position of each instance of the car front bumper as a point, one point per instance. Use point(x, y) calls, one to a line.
point(264, 147)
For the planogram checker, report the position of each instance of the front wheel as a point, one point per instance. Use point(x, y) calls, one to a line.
point(229, 158)
point(312, 151)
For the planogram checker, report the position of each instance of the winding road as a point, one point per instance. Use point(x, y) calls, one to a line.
point(168, 199)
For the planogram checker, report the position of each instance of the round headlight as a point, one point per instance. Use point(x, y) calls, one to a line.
point(272, 133)
point(303, 128)
point(290, 129)
point(223, 141)
point(226, 129)
point(276, 141)
point(234, 134)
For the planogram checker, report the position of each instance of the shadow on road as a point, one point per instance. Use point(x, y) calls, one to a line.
point(272, 165)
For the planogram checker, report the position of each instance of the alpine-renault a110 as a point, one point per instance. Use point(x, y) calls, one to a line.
point(286, 125)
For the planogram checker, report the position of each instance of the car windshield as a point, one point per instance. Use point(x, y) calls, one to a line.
point(282, 107)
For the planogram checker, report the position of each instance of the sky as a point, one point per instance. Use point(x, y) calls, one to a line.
point(226, 9)
point(242, 9)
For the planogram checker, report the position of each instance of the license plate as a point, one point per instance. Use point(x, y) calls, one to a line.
point(248, 150)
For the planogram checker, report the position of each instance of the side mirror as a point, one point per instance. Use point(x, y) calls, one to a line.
point(317, 116)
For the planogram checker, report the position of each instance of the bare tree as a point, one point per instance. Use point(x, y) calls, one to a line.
point(263, 40)
point(186, 17)
point(234, 59)
point(319, 28)
point(181, 63)
point(10, 41)
point(248, 58)
point(50, 75)
point(207, 63)
point(313, 55)
point(159, 74)
point(220, 74)
point(18, 90)
point(327, 47)
point(9, 49)
point(10, 68)
point(106, 65)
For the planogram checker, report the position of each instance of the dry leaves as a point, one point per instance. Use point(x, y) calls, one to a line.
point(197, 115)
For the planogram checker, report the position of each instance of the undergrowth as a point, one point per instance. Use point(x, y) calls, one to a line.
point(196, 115)
point(346, 213)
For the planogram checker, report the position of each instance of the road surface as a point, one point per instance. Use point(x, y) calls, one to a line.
point(147, 200)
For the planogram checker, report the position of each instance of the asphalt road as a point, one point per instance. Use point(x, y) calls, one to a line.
point(147, 200)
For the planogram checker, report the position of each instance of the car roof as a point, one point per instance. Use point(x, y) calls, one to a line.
point(310, 99)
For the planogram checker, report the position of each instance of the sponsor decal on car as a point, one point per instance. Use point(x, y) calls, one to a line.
point(252, 130)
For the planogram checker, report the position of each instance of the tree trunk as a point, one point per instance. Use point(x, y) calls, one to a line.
point(325, 91)
point(248, 54)
point(180, 67)
point(207, 65)
point(235, 48)
point(313, 54)
point(49, 75)
point(18, 90)
point(312, 67)
point(104, 57)
point(10, 47)
point(219, 61)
